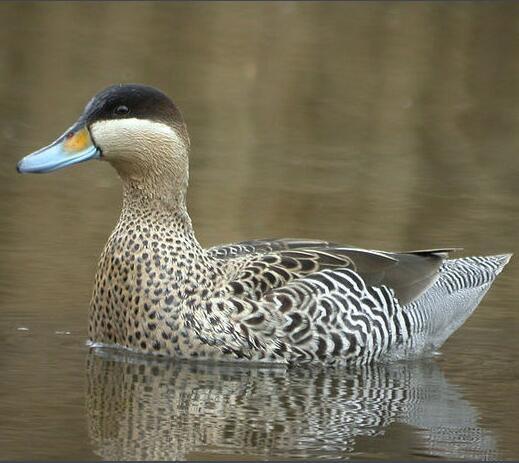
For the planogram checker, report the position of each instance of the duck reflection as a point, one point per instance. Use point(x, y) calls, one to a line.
point(148, 409)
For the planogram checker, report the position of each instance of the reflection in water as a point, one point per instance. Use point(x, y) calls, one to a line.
point(148, 409)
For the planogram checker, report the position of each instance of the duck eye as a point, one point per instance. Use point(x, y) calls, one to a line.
point(121, 110)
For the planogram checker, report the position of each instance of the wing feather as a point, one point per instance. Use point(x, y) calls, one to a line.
point(260, 266)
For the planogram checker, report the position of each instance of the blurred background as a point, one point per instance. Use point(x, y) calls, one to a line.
point(383, 125)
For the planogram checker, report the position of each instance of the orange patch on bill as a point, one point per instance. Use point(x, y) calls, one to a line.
point(78, 141)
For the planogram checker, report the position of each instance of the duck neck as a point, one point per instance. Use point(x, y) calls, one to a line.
point(156, 206)
point(154, 196)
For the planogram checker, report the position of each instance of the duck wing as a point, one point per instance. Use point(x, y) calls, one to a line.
point(243, 248)
point(261, 266)
point(415, 272)
point(333, 315)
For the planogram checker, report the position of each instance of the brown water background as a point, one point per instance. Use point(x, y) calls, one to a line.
point(384, 125)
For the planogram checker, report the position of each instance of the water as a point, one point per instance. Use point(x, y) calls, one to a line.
point(384, 126)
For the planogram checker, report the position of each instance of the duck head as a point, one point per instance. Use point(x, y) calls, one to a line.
point(136, 128)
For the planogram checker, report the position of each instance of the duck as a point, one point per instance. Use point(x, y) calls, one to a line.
point(283, 301)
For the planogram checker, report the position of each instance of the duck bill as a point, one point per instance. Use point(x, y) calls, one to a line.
point(73, 147)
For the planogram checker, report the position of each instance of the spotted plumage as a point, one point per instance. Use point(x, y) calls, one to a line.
point(290, 301)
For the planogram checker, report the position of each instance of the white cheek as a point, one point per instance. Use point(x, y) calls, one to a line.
point(119, 138)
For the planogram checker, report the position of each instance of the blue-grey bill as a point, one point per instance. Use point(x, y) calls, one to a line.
point(59, 154)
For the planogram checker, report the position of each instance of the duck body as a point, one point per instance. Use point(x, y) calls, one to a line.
point(289, 301)
point(157, 291)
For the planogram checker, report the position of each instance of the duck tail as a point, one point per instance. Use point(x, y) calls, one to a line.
point(442, 309)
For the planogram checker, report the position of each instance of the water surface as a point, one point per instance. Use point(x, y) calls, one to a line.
point(387, 126)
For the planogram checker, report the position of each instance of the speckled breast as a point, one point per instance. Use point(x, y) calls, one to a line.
point(149, 288)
